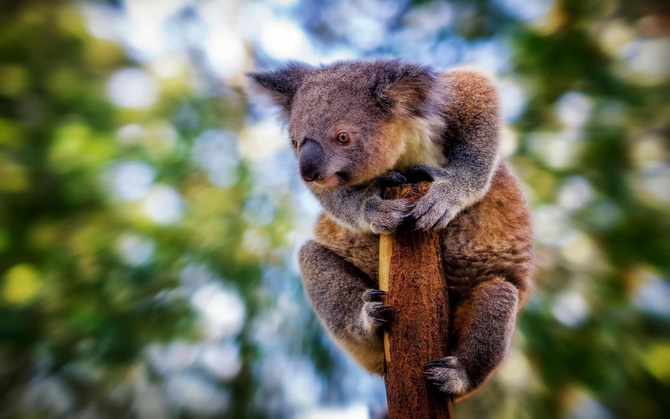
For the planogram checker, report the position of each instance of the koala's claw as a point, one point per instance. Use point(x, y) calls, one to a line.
point(375, 312)
point(391, 178)
point(381, 313)
point(448, 375)
point(374, 295)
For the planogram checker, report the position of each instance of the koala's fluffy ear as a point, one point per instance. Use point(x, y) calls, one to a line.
point(402, 87)
point(280, 84)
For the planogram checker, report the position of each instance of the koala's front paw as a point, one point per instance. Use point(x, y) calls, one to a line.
point(448, 375)
point(375, 313)
point(385, 215)
point(434, 210)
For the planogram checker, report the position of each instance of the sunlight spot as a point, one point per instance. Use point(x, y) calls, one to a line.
point(222, 310)
point(216, 151)
point(284, 40)
point(363, 31)
point(222, 360)
point(516, 372)
point(574, 109)
point(130, 180)
point(354, 411)
point(580, 251)
point(132, 88)
point(262, 140)
point(586, 407)
point(551, 224)
point(509, 141)
point(194, 393)
point(284, 3)
point(146, 19)
point(258, 211)
point(654, 296)
point(135, 250)
point(653, 182)
point(164, 205)
point(170, 65)
point(649, 59)
point(526, 9)
point(102, 21)
point(194, 276)
point(575, 192)
point(614, 35)
point(492, 56)
point(512, 99)
point(130, 134)
point(225, 50)
point(649, 149)
point(559, 150)
point(174, 357)
point(570, 308)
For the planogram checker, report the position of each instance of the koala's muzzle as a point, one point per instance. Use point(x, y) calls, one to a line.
point(311, 161)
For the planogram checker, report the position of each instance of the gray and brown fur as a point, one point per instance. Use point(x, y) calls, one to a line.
point(407, 122)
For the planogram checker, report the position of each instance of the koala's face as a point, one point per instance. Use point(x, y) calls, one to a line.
point(338, 131)
point(346, 120)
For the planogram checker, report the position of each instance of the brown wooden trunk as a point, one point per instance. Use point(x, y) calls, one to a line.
point(410, 269)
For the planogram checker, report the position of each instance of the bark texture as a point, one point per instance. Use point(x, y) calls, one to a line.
point(410, 269)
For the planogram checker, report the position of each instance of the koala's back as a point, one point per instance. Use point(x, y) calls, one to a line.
point(492, 238)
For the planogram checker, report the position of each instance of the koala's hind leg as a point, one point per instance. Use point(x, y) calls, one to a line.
point(346, 301)
point(483, 323)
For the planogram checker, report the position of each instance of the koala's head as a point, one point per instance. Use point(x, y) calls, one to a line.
point(347, 120)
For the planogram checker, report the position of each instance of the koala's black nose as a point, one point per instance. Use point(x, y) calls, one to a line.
point(311, 161)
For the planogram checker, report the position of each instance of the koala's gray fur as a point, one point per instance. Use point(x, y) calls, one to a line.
point(407, 122)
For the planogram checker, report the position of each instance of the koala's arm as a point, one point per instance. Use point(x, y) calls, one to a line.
point(361, 208)
point(346, 302)
point(472, 138)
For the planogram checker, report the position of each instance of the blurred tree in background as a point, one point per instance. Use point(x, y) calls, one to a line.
point(149, 214)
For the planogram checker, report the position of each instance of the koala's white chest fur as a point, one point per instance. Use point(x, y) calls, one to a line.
point(421, 144)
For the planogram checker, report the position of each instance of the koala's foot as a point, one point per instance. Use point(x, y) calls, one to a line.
point(448, 375)
point(375, 313)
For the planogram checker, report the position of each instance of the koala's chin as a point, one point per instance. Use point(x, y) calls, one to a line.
point(333, 181)
point(337, 180)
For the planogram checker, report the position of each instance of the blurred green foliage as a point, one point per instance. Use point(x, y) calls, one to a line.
point(71, 305)
point(93, 281)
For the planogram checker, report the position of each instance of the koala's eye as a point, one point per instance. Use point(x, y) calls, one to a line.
point(294, 143)
point(343, 137)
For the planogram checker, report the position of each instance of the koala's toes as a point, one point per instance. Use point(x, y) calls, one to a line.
point(391, 178)
point(374, 295)
point(388, 215)
point(430, 214)
point(377, 313)
point(448, 375)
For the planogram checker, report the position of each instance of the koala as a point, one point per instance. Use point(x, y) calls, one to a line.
point(358, 127)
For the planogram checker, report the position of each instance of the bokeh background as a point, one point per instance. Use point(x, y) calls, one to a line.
point(150, 210)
